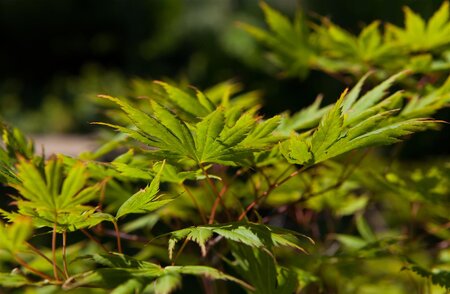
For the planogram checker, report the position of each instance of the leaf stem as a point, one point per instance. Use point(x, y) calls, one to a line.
point(64, 257)
point(102, 193)
point(41, 254)
point(342, 178)
point(55, 265)
point(119, 244)
point(31, 269)
point(269, 190)
point(94, 239)
point(218, 197)
point(200, 210)
point(180, 250)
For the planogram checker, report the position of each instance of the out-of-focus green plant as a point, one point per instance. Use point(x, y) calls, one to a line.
point(299, 46)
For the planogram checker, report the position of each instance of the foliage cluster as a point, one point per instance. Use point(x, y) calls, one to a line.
point(201, 185)
point(421, 46)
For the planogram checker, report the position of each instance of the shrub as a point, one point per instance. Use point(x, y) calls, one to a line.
point(202, 185)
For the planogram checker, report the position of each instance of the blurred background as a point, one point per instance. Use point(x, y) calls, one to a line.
point(56, 56)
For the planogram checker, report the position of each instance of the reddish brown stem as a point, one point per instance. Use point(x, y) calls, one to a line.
point(218, 197)
point(55, 265)
point(200, 210)
point(268, 191)
point(64, 256)
point(31, 269)
point(119, 244)
point(41, 254)
point(125, 236)
point(94, 239)
point(180, 250)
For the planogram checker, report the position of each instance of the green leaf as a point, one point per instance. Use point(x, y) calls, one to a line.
point(370, 121)
point(186, 102)
point(256, 266)
point(251, 234)
point(439, 277)
point(296, 151)
point(10, 280)
point(116, 260)
point(209, 272)
point(129, 287)
point(278, 23)
point(364, 229)
point(176, 126)
point(130, 171)
point(74, 182)
point(145, 200)
point(328, 131)
point(306, 118)
point(207, 135)
point(50, 195)
point(353, 94)
point(288, 40)
point(32, 184)
point(224, 136)
point(122, 269)
point(167, 283)
point(13, 236)
point(371, 97)
point(261, 136)
point(419, 36)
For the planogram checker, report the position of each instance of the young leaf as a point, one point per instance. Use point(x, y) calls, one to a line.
point(186, 102)
point(50, 196)
point(145, 200)
point(296, 151)
point(369, 121)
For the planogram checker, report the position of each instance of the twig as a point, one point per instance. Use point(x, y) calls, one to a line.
point(269, 190)
point(222, 194)
point(218, 197)
point(200, 210)
point(64, 257)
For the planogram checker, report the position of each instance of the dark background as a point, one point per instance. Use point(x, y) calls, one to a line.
point(56, 55)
